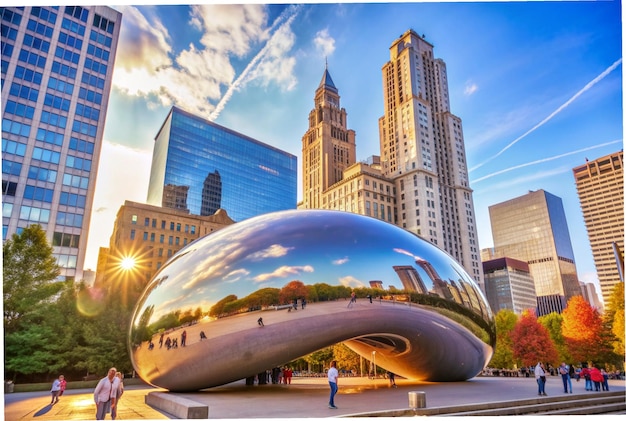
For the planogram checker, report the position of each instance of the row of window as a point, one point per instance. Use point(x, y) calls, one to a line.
point(152, 238)
point(174, 226)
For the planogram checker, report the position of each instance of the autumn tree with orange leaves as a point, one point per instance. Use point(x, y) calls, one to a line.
point(532, 342)
point(292, 291)
point(582, 330)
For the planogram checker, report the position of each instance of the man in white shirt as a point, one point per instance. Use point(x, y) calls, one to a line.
point(105, 393)
point(333, 374)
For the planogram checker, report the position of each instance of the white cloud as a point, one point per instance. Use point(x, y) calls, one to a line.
point(341, 261)
point(470, 88)
point(275, 250)
point(324, 43)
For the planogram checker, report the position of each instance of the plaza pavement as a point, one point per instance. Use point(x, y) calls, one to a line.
point(304, 398)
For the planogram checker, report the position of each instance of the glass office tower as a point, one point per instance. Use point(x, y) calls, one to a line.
point(532, 228)
point(57, 66)
point(198, 166)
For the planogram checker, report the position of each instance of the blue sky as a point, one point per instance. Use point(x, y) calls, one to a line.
point(538, 86)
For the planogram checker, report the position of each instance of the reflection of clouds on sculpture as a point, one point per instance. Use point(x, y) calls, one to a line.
point(283, 272)
point(260, 266)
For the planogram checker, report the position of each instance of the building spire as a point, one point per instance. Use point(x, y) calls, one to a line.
point(327, 81)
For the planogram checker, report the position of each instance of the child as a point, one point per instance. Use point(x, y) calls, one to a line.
point(56, 389)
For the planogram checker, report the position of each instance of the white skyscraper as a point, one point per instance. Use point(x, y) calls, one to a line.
point(422, 149)
point(57, 65)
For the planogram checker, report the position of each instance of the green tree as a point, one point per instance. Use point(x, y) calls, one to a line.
point(319, 359)
point(553, 322)
point(614, 317)
point(29, 295)
point(532, 342)
point(346, 358)
point(503, 355)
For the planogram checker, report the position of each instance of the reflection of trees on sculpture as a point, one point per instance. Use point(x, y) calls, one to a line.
point(141, 332)
point(144, 331)
point(294, 290)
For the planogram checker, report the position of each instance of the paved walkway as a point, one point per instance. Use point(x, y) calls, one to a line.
point(304, 398)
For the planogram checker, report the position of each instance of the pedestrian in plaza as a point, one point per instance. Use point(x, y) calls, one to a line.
point(105, 394)
point(260, 321)
point(564, 372)
point(333, 374)
point(183, 338)
point(586, 374)
point(118, 394)
point(392, 379)
point(56, 390)
point(540, 376)
point(605, 383)
point(596, 377)
point(63, 385)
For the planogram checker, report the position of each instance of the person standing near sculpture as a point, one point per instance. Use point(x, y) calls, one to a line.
point(564, 372)
point(333, 374)
point(105, 394)
point(118, 394)
point(540, 375)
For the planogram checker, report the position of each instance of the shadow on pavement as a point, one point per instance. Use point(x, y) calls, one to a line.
point(43, 411)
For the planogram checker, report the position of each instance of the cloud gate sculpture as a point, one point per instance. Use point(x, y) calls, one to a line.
point(196, 324)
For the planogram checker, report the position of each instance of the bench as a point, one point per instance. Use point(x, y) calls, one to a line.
point(178, 406)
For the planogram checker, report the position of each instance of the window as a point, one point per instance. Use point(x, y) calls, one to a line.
point(133, 219)
point(146, 222)
point(132, 234)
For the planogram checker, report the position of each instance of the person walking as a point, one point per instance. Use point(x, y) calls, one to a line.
point(104, 394)
point(586, 374)
point(564, 372)
point(605, 383)
point(333, 374)
point(260, 321)
point(540, 376)
point(392, 379)
point(56, 390)
point(596, 377)
point(118, 394)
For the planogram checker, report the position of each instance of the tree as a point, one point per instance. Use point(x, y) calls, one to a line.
point(30, 291)
point(28, 275)
point(532, 342)
point(553, 323)
point(293, 291)
point(582, 331)
point(614, 316)
point(503, 355)
point(346, 358)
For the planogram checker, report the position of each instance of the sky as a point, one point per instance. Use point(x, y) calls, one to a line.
point(538, 86)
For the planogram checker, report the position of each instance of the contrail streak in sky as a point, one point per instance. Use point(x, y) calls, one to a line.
point(539, 161)
point(558, 110)
point(288, 14)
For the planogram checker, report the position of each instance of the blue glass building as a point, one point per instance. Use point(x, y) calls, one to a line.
point(199, 166)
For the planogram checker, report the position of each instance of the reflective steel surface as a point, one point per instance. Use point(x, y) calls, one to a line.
point(296, 270)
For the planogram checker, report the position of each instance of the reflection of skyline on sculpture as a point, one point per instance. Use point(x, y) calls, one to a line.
point(232, 260)
point(261, 266)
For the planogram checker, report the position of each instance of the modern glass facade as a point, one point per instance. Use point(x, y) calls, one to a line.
point(532, 228)
point(509, 285)
point(198, 166)
point(57, 65)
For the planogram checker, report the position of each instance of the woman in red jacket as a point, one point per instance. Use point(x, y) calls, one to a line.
point(596, 378)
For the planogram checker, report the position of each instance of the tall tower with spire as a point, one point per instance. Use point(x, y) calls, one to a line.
point(328, 146)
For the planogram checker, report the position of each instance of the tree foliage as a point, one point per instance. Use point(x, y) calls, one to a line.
point(614, 318)
point(503, 355)
point(553, 322)
point(582, 331)
point(292, 291)
point(532, 342)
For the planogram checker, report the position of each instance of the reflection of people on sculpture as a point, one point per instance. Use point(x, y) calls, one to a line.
point(352, 299)
point(260, 321)
point(202, 335)
point(392, 379)
point(161, 340)
point(183, 338)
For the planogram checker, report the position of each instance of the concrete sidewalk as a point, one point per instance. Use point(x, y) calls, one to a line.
point(304, 398)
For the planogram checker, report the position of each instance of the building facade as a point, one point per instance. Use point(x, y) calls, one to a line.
point(532, 228)
point(147, 236)
point(509, 285)
point(57, 66)
point(600, 186)
point(420, 180)
point(199, 166)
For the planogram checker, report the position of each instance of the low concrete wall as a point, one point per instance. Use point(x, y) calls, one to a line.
point(179, 407)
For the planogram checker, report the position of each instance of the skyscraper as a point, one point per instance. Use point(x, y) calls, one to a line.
point(328, 146)
point(509, 285)
point(422, 149)
point(419, 182)
point(532, 228)
point(57, 65)
point(600, 186)
point(197, 163)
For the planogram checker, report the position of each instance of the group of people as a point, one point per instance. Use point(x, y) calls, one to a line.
point(108, 393)
point(594, 377)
